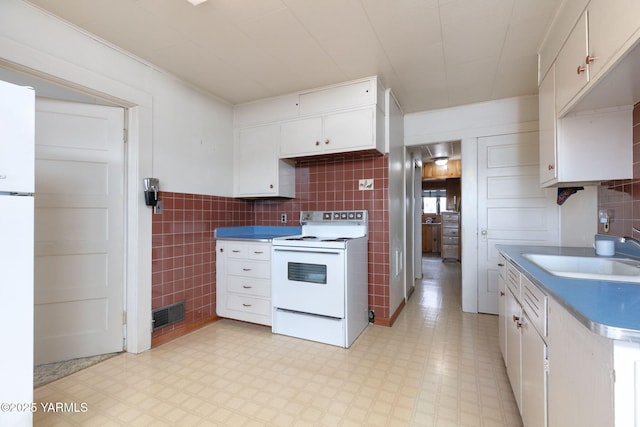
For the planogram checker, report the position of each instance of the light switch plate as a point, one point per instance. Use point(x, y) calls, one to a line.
point(365, 184)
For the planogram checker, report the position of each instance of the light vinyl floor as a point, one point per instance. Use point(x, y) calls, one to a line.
point(436, 366)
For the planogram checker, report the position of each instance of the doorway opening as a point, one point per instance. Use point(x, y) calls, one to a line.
point(52, 262)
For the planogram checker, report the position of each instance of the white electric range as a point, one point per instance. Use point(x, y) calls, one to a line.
point(320, 278)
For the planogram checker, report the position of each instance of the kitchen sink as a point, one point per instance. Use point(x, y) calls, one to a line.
point(594, 268)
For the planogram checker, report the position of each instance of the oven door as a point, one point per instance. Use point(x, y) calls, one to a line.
point(308, 280)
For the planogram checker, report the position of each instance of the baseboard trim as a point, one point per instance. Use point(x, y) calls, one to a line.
point(391, 320)
point(170, 336)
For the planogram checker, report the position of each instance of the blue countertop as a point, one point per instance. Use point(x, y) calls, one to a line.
point(611, 309)
point(259, 233)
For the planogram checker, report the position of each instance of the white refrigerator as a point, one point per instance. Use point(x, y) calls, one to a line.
point(17, 184)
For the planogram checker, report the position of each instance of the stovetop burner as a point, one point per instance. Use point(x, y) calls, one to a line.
point(301, 238)
point(337, 239)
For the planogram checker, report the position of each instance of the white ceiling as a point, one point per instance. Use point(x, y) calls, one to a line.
point(431, 53)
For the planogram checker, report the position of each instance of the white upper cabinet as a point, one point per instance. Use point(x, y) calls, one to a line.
point(332, 133)
point(586, 94)
point(547, 125)
point(347, 117)
point(266, 111)
point(258, 170)
point(572, 71)
point(611, 25)
point(17, 128)
point(350, 95)
point(591, 51)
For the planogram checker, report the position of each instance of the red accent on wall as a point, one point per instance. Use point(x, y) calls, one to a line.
point(183, 252)
point(332, 184)
point(183, 246)
point(622, 197)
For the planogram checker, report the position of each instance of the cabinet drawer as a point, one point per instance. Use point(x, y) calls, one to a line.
point(534, 303)
point(259, 252)
point(450, 231)
point(261, 270)
point(449, 251)
point(235, 250)
point(513, 280)
point(450, 217)
point(448, 240)
point(249, 304)
point(249, 286)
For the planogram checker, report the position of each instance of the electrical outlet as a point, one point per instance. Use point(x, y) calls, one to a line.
point(365, 184)
point(283, 218)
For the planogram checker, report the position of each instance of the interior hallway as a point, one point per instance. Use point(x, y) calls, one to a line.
point(436, 366)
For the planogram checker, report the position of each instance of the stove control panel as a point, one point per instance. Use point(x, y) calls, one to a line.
point(331, 216)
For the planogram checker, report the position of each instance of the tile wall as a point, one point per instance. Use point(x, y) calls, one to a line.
point(622, 197)
point(183, 253)
point(183, 248)
point(332, 184)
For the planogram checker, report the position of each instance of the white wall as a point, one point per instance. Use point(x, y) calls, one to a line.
point(176, 133)
point(397, 256)
point(191, 132)
point(579, 218)
point(467, 123)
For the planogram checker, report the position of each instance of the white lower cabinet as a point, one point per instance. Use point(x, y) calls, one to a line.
point(525, 350)
point(534, 375)
point(580, 373)
point(514, 350)
point(502, 305)
point(243, 281)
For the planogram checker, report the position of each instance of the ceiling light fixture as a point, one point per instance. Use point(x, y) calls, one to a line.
point(441, 161)
point(196, 2)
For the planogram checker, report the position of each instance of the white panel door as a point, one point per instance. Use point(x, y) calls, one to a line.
point(79, 230)
point(512, 208)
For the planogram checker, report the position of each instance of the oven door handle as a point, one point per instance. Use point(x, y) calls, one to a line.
point(306, 251)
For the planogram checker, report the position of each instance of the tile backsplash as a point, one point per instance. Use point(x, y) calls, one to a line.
point(622, 197)
point(183, 246)
point(183, 252)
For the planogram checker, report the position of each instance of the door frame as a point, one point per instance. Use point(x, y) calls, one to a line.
point(138, 164)
point(511, 115)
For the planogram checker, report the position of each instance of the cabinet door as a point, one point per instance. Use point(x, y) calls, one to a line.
point(547, 125)
point(514, 368)
point(534, 376)
point(301, 137)
point(17, 150)
point(351, 130)
point(338, 98)
point(580, 379)
point(569, 79)
point(502, 316)
point(611, 24)
point(257, 161)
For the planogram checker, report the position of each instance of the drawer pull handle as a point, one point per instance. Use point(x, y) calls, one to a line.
point(258, 252)
point(246, 305)
point(500, 264)
point(515, 318)
point(247, 286)
point(501, 293)
point(235, 251)
point(246, 269)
